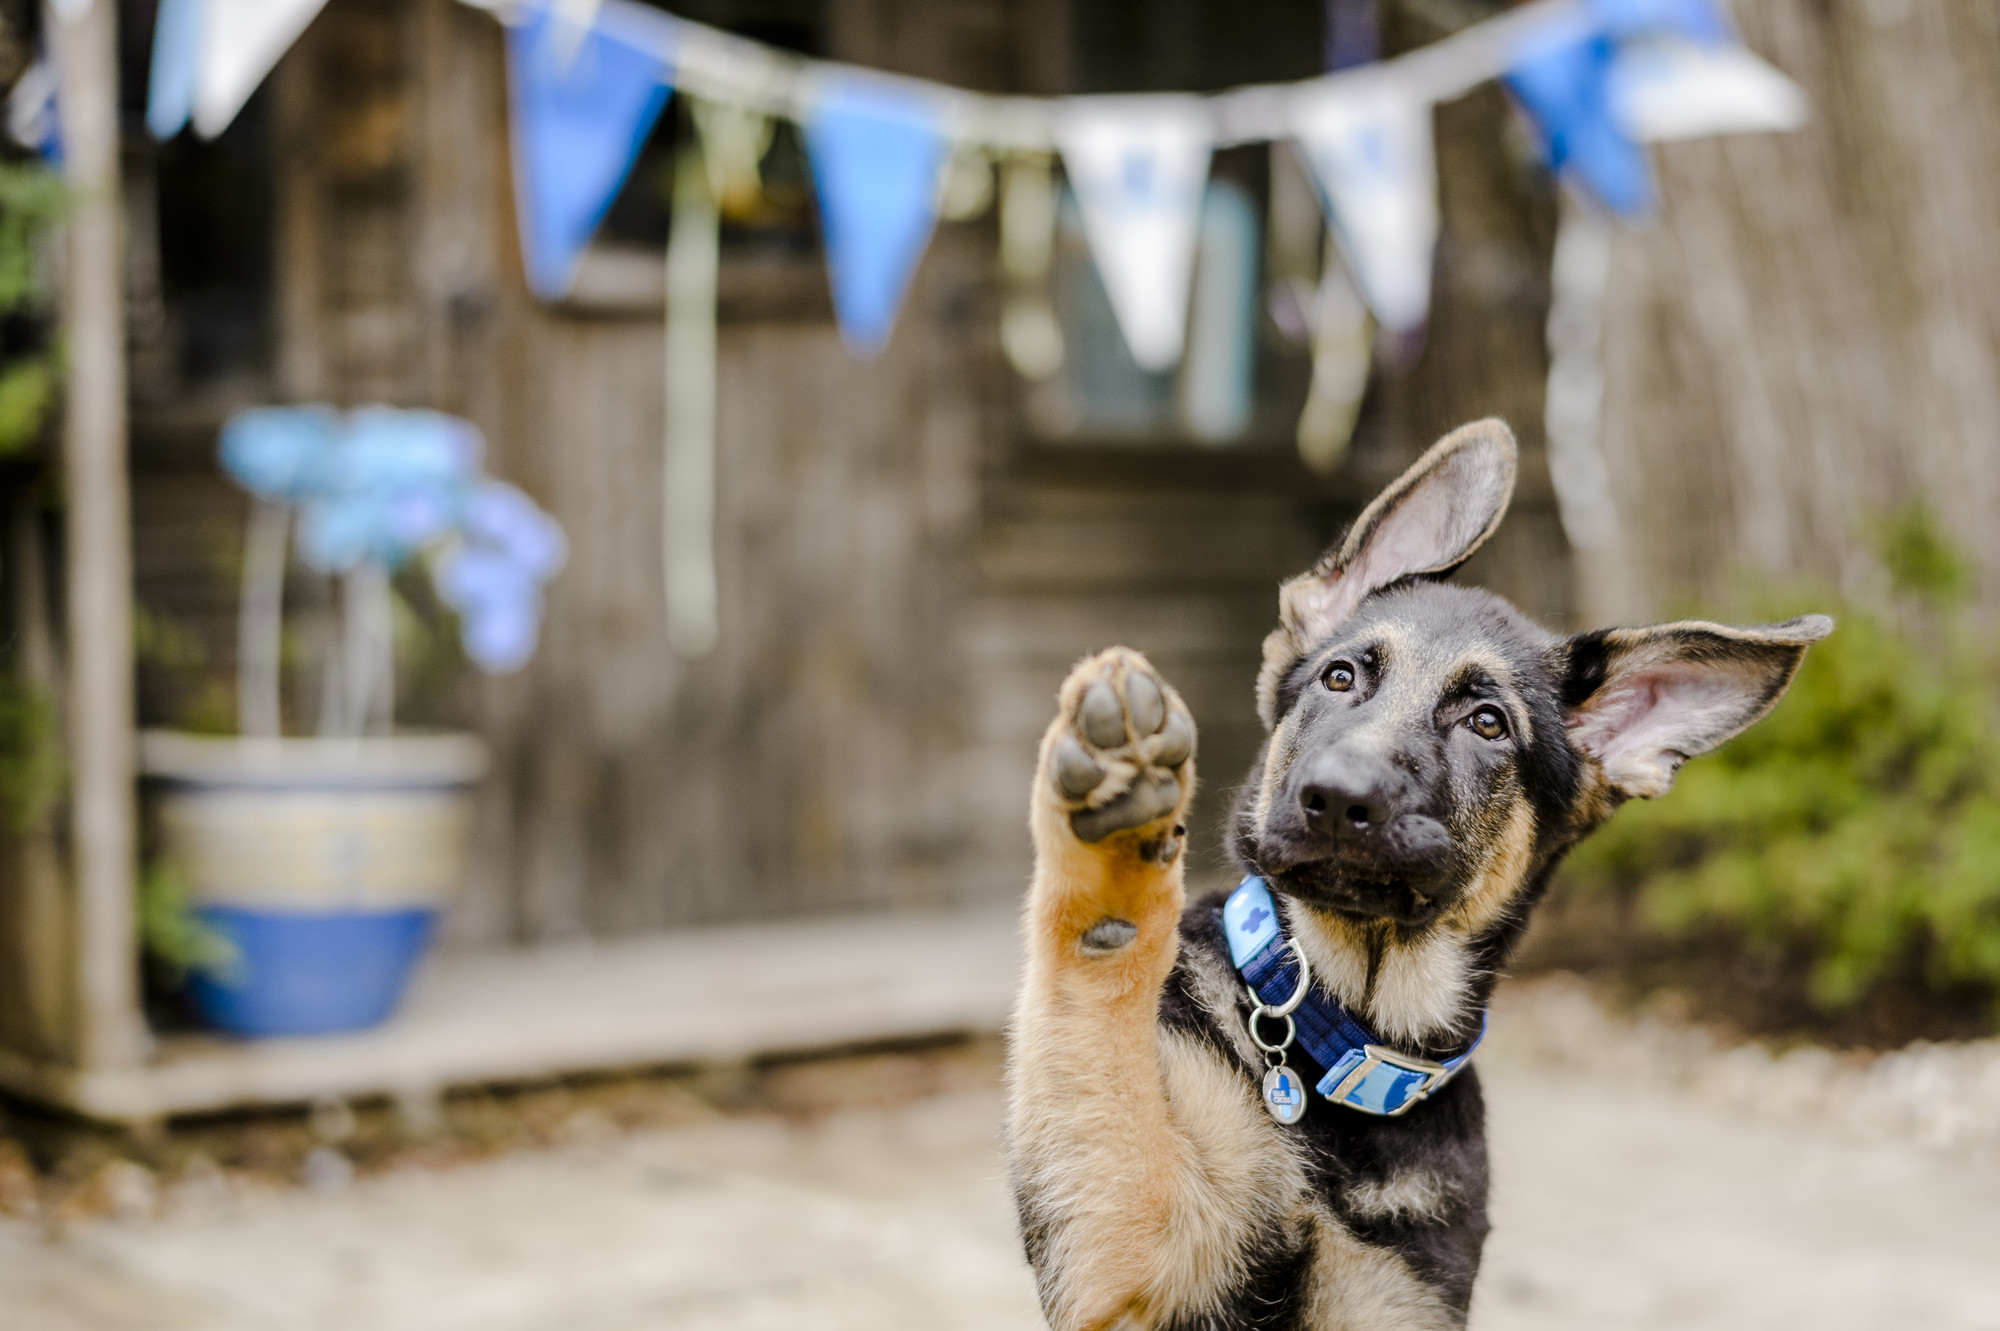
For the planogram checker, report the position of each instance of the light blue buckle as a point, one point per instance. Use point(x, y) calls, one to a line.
point(1381, 1081)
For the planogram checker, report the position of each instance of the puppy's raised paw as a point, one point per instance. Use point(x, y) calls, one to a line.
point(1123, 752)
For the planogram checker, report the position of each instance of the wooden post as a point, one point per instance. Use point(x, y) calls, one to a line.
point(98, 575)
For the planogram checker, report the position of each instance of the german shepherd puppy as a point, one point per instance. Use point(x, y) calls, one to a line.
point(1431, 756)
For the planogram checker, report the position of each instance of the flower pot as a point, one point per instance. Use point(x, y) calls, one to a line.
point(324, 863)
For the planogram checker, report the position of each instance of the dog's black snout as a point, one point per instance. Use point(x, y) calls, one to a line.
point(1347, 795)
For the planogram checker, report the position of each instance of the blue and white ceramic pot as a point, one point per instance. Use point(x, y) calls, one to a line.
point(325, 863)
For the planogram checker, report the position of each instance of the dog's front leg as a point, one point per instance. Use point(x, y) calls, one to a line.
point(1097, 1159)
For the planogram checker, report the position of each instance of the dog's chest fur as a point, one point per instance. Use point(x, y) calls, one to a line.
point(1388, 1215)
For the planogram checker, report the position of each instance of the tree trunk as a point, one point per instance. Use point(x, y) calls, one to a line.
point(1805, 338)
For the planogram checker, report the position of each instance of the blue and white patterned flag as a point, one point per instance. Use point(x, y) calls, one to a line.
point(1368, 143)
point(876, 153)
point(581, 112)
point(1139, 168)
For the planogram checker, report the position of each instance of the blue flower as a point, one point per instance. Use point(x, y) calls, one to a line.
point(502, 517)
point(281, 453)
point(493, 576)
point(380, 484)
point(396, 481)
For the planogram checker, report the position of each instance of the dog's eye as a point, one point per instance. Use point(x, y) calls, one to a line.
point(1340, 677)
point(1488, 723)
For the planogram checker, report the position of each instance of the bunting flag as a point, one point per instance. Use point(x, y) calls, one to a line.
point(1369, 145)
point(1634, 20)
point(170, 88)
point(1563, 79)
point(1601, 78)
point(1668, 89)
point(581, 111)
point(33, 119)
point(240, 42)
point(1139, 167)
point(877, 151)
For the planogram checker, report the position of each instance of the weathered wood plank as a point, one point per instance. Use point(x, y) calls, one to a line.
point(663, 1000)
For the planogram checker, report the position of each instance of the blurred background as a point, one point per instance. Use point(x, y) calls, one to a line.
point(1760, 1005)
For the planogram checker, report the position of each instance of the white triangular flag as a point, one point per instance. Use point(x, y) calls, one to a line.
point(1368, 143)
point(1666, 89)
point(1139, 166)
point(241, 40)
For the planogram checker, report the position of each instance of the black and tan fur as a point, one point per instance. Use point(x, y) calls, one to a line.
point(1431, 755)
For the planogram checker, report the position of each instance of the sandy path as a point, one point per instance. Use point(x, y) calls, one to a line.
point(1613, 1208)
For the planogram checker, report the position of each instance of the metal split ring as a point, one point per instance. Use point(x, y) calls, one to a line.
point(1291, 1030)
point(1284, 1009)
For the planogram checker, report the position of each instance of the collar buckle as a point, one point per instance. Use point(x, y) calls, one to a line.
point(1376, 1099)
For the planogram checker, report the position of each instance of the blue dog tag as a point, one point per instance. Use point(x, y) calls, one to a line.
point(1284, 1095)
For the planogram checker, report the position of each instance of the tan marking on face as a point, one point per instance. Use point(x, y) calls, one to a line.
point(1279, 755)
point(1509, 856)
point(1501, 672)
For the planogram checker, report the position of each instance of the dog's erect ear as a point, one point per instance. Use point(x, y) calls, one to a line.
point(1425, 525)
point(1642, 701)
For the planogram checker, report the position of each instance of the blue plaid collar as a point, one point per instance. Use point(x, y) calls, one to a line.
point(1361, 1071)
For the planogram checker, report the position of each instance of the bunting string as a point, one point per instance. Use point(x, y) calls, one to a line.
point(722, 67)
point(890, 154)
point(588, 78)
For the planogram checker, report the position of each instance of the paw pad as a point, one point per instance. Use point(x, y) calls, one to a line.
point(1108, 936)
point(1119, 762)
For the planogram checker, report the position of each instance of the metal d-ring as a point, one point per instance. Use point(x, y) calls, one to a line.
point(1286, 1008)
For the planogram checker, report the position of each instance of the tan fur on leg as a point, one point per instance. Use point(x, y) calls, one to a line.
point(1092, 1138)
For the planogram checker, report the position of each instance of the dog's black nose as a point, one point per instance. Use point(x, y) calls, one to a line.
point(1347, 794)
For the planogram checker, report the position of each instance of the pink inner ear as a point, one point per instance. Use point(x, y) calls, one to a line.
point(1673, 708)
point(1410, 539)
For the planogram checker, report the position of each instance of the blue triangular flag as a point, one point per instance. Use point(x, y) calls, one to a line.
point(876, 154)
point(176, 62)
point(1692, 20)
point(581, 112)
point(1563, 79)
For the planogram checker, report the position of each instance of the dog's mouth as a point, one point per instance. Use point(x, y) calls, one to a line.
point(1363, 895)
point(1403, 875)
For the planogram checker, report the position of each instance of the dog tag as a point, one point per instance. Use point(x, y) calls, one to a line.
point(1284, 1095)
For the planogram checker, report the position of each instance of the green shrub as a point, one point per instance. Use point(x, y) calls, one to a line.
point(31, 199)
point(173, 934)
point(1862, 818)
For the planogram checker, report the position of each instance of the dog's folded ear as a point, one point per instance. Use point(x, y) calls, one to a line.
point(1643, 701)
point(1425, 525)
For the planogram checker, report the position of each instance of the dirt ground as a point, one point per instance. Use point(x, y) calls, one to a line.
point(866, 1192)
